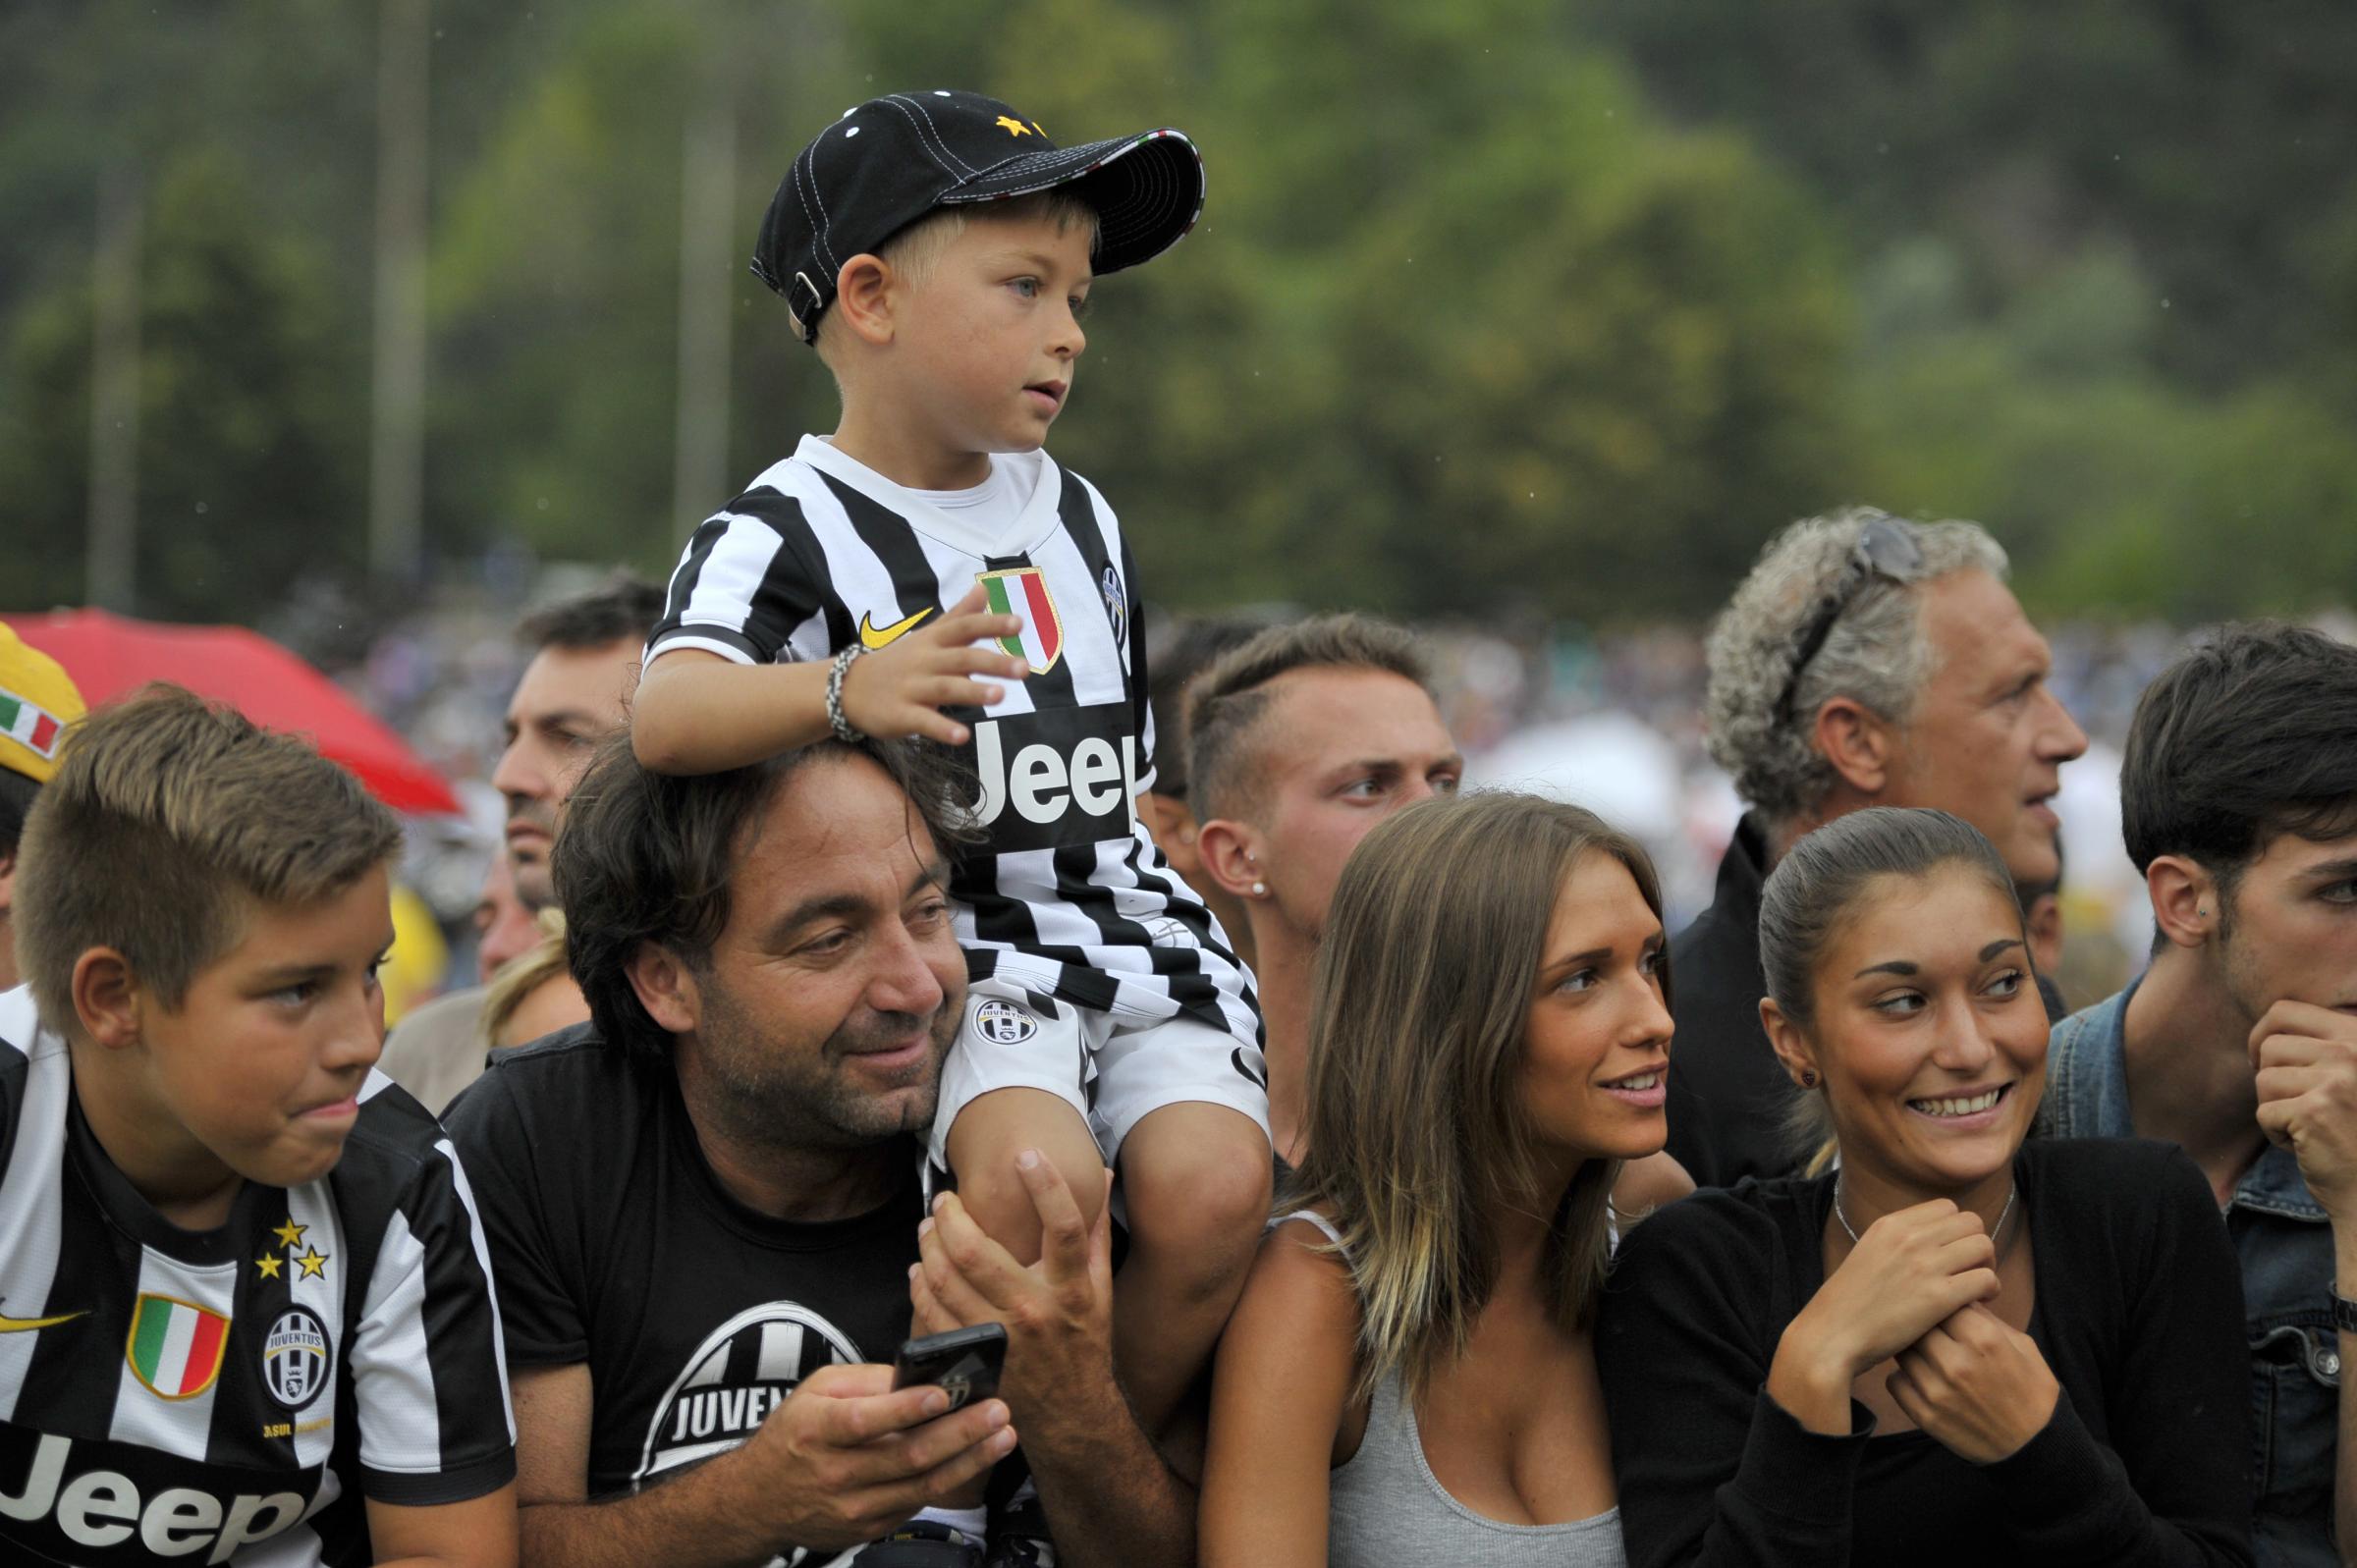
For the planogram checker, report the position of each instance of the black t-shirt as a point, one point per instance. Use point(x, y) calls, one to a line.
point(615, 1245)
point(2138, 1314)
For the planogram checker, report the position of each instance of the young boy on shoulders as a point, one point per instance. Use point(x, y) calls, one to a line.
point(929, 571)
point(246, 1312)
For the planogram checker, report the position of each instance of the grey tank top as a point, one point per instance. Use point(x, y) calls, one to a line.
point(1388, 1510)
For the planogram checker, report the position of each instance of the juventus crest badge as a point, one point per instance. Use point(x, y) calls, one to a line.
point(1116, 602)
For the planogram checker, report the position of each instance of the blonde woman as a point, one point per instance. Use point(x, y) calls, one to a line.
point(1408, 1379)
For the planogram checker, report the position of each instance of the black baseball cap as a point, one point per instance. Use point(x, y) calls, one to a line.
point(894, 159)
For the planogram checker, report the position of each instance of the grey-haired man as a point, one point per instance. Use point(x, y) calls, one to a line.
point(1865, 661)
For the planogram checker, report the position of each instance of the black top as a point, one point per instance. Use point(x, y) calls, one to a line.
point(618, 1247)
point(2138, 1314)
point(1728, 1093)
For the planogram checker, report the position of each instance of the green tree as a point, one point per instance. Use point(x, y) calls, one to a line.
point(245, 444)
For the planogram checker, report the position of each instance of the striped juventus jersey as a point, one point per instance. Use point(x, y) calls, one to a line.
point(233, 1395)
point(1070, 897)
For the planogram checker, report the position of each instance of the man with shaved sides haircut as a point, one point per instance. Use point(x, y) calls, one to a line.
point(2238, 799)
point(1181, 655)
point(1298, 742)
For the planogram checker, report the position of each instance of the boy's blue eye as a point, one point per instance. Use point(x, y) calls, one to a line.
point(1028, 287)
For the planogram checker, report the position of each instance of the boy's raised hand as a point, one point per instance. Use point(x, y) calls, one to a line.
point(899, 689)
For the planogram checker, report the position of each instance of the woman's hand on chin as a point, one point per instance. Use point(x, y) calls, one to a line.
point(1979, 1388)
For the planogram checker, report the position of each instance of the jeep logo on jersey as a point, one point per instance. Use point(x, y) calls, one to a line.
point(100, 1502)
point(1003, 1023)
point(1022, 591)
point(296, 1358)
point(1067, 775)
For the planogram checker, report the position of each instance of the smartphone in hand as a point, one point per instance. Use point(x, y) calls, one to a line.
point(964, 1363)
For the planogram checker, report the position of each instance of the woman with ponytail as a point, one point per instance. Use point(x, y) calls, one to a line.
point(1952, 1347)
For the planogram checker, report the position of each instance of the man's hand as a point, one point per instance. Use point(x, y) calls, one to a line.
point(844, 1459)
point(1109, 1497)
point(1057, 1312)
point(899, 689)
point(1979, 1388)
point(2306, 1058)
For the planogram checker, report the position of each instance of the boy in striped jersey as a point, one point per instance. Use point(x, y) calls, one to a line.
point(246, 1309)
point(936, 250)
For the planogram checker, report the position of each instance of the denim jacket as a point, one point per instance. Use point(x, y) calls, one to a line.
point(2285, 1244)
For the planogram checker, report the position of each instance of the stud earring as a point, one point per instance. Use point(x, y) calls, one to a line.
point(1260, 889)
point(1808, 1079)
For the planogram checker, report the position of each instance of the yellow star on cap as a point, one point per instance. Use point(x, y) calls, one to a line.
point(315, 1263)
point(269, 1265)
point(290, 1233)
point(1014, 127)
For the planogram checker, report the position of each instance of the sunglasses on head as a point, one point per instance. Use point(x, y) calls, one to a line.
point(1886, 548)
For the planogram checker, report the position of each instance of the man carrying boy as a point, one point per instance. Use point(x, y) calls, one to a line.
point(2238, 798)
point(706, 1202)
point(936, 250)
point(246, 1310)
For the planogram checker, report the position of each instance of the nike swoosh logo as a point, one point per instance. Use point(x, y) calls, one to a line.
point(872, 637)
point(18, 1325)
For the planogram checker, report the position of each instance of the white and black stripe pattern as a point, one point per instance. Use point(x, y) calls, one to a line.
point(408, 1404)
point(1069, 900)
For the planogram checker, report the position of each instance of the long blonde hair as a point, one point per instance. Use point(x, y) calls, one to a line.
point(1416, 1126)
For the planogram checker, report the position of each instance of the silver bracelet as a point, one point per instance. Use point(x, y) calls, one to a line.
point(835, 674)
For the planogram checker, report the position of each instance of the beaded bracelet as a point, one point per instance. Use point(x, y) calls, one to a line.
point(835, 674)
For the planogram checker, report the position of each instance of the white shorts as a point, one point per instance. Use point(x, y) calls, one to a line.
point(1113, 1073)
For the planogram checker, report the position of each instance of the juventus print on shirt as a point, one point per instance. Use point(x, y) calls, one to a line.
point(233, 1395)
point(1070, 898)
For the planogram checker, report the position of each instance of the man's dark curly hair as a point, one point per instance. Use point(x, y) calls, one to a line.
point(646, 857)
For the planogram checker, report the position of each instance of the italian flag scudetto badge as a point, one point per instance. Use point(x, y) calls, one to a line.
point(176, 1346)
point(1022, 591)
point(29, 723)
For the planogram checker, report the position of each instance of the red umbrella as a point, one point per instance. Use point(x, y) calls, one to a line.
point(109, 655)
